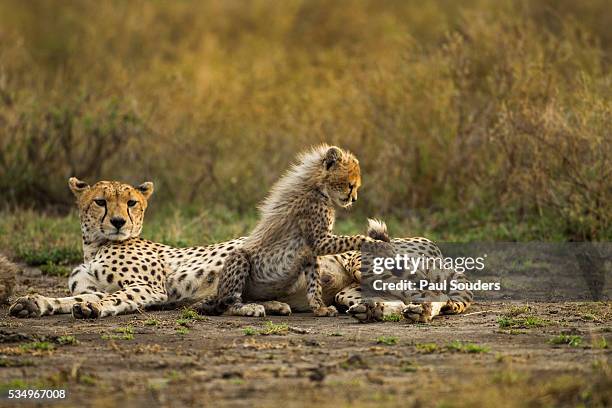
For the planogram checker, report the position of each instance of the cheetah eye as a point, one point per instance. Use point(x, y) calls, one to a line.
point(100, 202)
point(131, 203)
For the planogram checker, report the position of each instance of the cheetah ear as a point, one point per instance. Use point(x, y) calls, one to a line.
point(77, 186)
point(146, 189)
point(332, 157)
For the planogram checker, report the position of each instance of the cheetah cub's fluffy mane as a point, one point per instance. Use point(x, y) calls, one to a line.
point(305, 175)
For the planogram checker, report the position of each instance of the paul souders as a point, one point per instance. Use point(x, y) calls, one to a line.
point(424, 284)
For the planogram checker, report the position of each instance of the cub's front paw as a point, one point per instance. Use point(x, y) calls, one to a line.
point(325, 311)
point(86, 310)
point(418, 313)
point(25, 306)
point(366, 312)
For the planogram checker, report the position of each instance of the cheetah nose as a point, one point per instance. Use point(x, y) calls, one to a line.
point(117, 222)
point(353, 199)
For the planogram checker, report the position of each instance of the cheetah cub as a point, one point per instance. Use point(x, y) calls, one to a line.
point(295, 226)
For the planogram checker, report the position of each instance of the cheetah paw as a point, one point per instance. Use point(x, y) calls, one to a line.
point(85, 310)
point(326, 311)
point(24, 307)
point(249, 310)
point(277, 308)
point(366, 312)
point(418, 313)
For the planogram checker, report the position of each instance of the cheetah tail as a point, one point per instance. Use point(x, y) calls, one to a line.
point(378, 230)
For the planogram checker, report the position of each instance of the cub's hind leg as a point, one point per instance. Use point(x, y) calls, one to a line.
point(232, 282)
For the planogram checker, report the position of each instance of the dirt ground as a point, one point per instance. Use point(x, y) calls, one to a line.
point(168, 358)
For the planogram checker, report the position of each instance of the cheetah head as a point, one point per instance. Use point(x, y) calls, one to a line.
point(341, 175)
point(110, 210)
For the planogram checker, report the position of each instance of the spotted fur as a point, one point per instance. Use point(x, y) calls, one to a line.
point(417, 306)
point(295, 228)
point(122, 272)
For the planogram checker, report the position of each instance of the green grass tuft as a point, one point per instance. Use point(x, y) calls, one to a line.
point(249, 331)
point(462, 347)
point(426, 348)
point(38, 346)
point(387, 340)
point(599, 343)
point(123, 333)
point(571, 340)
point(15, 384)
point(190, 314)
point(270, 328)
point(517, 311)
point(49, 256)
point(184, 322)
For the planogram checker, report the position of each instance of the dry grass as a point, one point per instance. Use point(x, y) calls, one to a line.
point(491, 111)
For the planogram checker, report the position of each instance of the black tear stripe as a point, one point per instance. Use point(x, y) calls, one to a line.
point(104, 216)
point(131, 220)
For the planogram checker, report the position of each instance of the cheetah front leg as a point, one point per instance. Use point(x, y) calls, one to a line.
point(314, 293)
point(131, 298)
point(83, 286)
point(38, 305)
point(330, 244)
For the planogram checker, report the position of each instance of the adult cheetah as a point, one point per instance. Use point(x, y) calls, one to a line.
point(122, 272)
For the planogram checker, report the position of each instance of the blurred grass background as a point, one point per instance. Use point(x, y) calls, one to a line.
point(476, 119)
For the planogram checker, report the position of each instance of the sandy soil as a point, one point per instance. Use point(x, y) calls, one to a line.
point(159, 358)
